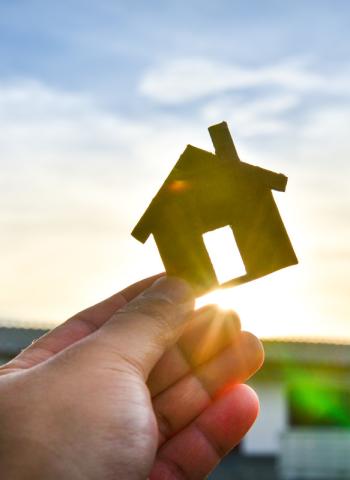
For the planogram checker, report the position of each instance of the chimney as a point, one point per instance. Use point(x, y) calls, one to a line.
point(223, 143)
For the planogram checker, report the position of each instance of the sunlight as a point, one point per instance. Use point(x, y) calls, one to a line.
point(224, 254)
point(269, 307)
point(260, 310)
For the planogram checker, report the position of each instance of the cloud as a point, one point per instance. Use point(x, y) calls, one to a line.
point(329, 124)
point(193, 78)
point(53, 144)
point(251, 117)
point(71, 186)
point(53, 122)
point(188, 79)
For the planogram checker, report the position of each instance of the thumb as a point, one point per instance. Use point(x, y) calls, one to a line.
point(144, 328)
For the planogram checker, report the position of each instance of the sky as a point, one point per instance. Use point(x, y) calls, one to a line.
point(98, 100)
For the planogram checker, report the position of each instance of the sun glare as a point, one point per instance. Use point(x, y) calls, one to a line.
point(265, 306)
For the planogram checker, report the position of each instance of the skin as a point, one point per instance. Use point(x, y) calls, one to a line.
point(138, 386)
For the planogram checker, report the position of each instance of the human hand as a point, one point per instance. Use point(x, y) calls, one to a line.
point(138, 386)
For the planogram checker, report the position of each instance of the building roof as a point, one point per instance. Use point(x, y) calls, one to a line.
point(307, 352)
point(13, 340)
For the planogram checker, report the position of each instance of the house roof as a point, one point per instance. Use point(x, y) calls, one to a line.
point(195, 163)
point(304, 352)
point(13, 340)
point(307, 352)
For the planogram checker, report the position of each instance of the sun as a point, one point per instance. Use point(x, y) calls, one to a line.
point(267, 307)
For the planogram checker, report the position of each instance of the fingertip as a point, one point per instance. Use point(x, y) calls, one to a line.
point(231, 320)
point(135, 289)
point(253, 349)
point(210, 309)
point(232, 414)
point(225, 323)
point(215, 312)
point(209, 331)
point(251, 401)
point(239, 408)
point(174, 289)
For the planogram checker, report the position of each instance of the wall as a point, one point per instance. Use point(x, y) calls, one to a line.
point(264, 437)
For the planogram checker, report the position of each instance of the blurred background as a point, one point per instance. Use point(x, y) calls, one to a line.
point(97, 102)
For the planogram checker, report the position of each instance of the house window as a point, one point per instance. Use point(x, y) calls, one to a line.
point(319, 405)
point(224, 254)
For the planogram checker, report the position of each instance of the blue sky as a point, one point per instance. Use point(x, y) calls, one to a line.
point(98, 99)
point(104, 46)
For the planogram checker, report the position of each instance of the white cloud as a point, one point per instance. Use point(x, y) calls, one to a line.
point(52, 123)
point(192, 78)
point(67, 203)
point(262, 116)
point(329, 125)
point(187, 79)
point(56, 146)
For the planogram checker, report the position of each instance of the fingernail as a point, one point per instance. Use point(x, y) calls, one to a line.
point(172, 289)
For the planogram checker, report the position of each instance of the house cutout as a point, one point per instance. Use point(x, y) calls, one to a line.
point(205, 192)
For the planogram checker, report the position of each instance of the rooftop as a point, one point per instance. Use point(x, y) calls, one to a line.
point(13, 340)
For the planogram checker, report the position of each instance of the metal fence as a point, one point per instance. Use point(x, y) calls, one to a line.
point(315, 454)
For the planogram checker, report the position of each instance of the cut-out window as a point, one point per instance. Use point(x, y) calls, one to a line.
point(224, 254)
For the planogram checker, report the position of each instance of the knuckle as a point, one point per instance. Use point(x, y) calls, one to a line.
point(165, 426)
point(158, 310)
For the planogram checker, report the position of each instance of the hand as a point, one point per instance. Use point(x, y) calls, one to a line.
point(138, 386)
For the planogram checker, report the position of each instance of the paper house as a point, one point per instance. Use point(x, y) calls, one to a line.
point(205, 192)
